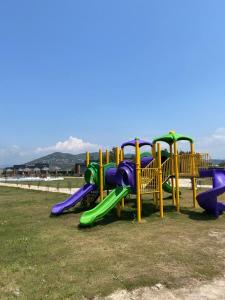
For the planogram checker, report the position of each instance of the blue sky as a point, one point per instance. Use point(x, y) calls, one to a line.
point(79, 74)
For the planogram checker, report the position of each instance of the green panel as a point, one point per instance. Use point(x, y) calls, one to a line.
point(172, 137)
point(165, 153)
point(91, 174)
point(146, 154)
point(110, 201)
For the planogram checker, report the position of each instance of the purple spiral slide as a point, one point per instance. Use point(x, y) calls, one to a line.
point(208, 200)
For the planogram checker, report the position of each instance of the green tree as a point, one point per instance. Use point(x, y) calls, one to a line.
point(112, 155)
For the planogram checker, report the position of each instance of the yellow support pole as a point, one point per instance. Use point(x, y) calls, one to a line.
point(117, 163)
point(117, 156)
point(176, 166)
point(121, 159)
point(87, 158)
point(101, 187)
point(138, 180)
point(153, 151)
point(121, 154)
point(155, 195)
point(106, 156)
point(172, 173)
point(160, 180)
point(193, 176)
point(107, 161)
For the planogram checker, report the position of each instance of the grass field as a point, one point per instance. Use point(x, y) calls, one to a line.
point(43, 257)
point(68, 182)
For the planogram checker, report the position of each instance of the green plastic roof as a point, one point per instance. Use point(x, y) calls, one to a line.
point(172, 137)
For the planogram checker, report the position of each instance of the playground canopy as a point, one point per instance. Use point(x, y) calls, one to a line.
point(172, 137)
point(132, 143)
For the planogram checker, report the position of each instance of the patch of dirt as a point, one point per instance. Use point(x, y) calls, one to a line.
point(217, 235)
point(207, 291)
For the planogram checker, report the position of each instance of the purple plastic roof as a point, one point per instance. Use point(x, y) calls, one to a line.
point(132, 143)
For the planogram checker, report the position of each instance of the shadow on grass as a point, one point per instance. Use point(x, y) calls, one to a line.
point(129, 213)
point(111, 218)
point(197, 215)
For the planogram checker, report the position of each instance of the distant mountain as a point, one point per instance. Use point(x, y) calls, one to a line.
point(218, 162)
point(4, 166)
point(65, 161)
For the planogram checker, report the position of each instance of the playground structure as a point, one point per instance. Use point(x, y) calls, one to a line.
point(149, 174)
point(176, 166)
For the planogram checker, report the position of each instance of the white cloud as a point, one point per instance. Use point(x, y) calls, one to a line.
point(72, 145)
point(16, 155)
point(219, 134)
point(214, 144)
point(13, 155)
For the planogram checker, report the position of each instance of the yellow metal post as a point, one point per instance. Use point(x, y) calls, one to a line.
point(107, 161)
point(121, 154)
point(155, 195)
point(106, 156)
point(176, 166)
point(121, 159)
point(101, 187)
point(87, 158)
point(193, 176)
point(117, 156)
point(138, 180)
point(172, 173)
point(153, 151)
point(117, 163)
point(160, 180)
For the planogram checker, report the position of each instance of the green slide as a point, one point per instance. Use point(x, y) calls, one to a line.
point(168, 188)
point(110, 201)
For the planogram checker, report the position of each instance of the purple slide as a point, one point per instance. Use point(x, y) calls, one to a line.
point(208, 199)
point(73, 200)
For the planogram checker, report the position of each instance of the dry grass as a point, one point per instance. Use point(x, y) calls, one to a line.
point(44, 257)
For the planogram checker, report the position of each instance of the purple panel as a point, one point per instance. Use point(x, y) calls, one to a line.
point(132, 143)
point(110, 176)
point(125, 174)
point(145, 161)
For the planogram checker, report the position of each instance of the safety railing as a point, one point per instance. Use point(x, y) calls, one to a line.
point(150, 176)
point(149, 180)
point(166, 170)
point(203, 161)
point(189, 164)
point(185, 164)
